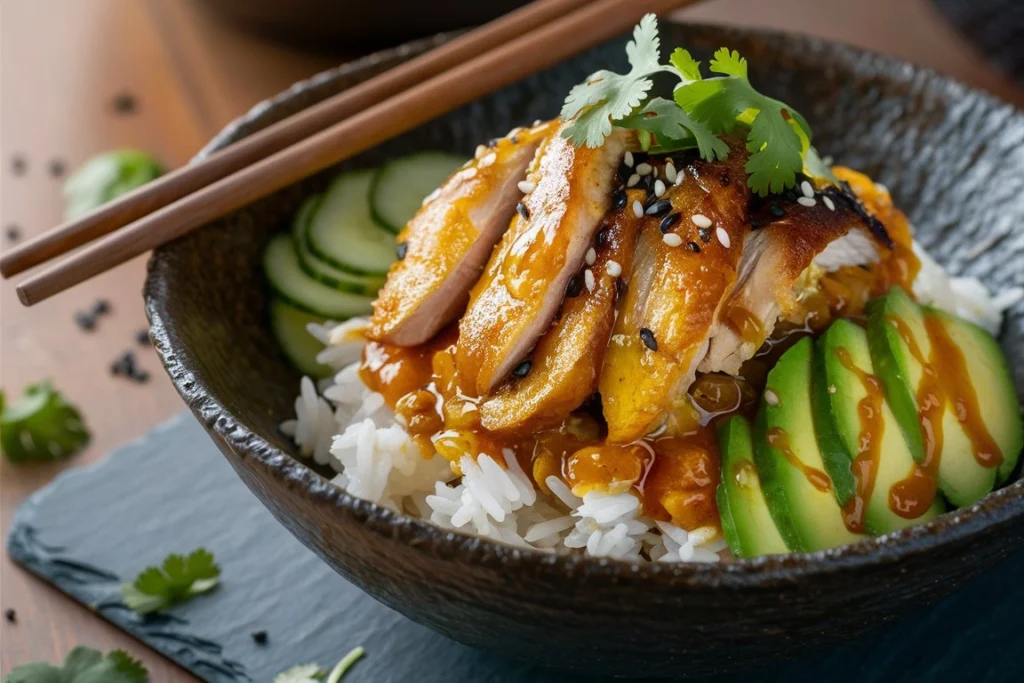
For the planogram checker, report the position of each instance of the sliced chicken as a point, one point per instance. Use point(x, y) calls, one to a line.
point(782, 261)
point(561, 372)
point(448, 242)
point(678, 280)
point(514, 302)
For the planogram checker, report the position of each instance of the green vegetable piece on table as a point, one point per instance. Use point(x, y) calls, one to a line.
point(106, 176)
point(41, 426)
point(83, 665)
point(178, 580)
point(312, 673)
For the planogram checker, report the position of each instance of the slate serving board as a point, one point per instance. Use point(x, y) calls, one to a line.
point(172, 491)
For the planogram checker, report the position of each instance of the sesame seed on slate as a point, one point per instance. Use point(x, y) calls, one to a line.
point(723, 237)
point(670, 172)
point(644, 169)
point(259, 637)
point(638, 209)
point(829, 203)
point(18, 165)
point(672, 239)
point(57, 168)
point(523, 369)
point(705, 234)
point(806, 201)
point(806, 188)
point(700, 220)
point(526, 187)
point(647, 337)
point(523, 211)
point(633, 180)
point(614, 269)
point(588, 279)
point(125, 103)
point(10, 615)
point(401, 249)
point(487, 160)
point(669, 222)
point(776, 210)
point(619, 198)
point(590, 257)
point(13, 233)
point(693, 246)
point(85, 321)
point(659, 208)
point(575, 286)
point(659, 188)
point(142, 337)
point(628, 159)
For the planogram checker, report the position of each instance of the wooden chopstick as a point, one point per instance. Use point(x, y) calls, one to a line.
point(598, 21)
point(188, 179)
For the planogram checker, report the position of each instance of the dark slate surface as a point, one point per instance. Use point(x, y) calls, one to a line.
point(96, 526)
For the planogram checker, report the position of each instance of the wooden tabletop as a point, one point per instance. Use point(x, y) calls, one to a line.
point(63, 64)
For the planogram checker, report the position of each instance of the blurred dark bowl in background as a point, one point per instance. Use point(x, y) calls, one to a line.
point(340, 25)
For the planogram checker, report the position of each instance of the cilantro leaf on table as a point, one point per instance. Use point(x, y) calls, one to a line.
point(83, 665)
point(303, 673)
point(106, 176)
point(179, 579)
point(40, 426)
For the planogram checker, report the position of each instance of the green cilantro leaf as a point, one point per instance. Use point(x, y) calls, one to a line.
point(303, 673)
point(41, 426)
point(684, 63)
point(728, 63)
point(179, 579)
point(107, 176)
point(606, 96)
point(675, 129)
point(342, 667)
point(774, 148)
point(83, 665)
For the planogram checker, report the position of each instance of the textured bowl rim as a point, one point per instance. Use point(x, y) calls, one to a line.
point(999, 508)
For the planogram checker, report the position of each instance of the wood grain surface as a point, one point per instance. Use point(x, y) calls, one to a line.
point(62, 62)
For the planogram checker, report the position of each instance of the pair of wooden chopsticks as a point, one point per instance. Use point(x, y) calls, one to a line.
point(512, 47)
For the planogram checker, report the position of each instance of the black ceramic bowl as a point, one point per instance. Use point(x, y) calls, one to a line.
point(955, 161)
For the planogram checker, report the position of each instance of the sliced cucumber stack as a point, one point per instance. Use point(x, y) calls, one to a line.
point(400, 186)
point(290, 282)
point(320, 270)
point(344, 235)
point(289, 325)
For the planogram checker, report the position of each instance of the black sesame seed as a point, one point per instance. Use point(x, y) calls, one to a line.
point(514, 139)
point(57, 168)
point(125, 103)
point(523, 369)
point(619, 198)
point(101, 307)
point(575, 286)
point(139, 377)
point(124, 365)
point(18, 165)
point(693, 246)
point(493, 142)
point(620, 287)
point(401, 250)
point(659, 208)
point(705, 234)
point(724, 180)
point(602, 236)
point(85, 321)
point(523, 211)
point(776, 210)
point(669, 222)
point(142, 337)
point(648, 339)
point(260, 637)
point(10, 615)
point(13, 233)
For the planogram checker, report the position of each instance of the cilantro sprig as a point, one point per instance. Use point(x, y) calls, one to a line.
point(41, 426)
point(703, 110)
point(312, 673)
point(180, 578)
point(83, 665)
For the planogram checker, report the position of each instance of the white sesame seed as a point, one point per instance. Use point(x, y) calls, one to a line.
point(480, 151)
point(432, 196)
point(672, 239)
point(881, 188)
point(723, 237)
point(670, 172)
point(831, 388)
point(469, 173)
point(680, 176)
point(591, 256)
point(659, 188)
point(828, 202)
point(700, 220)
point(638, 209)
point(806, 188)
point(806, 201)
point(628, 159)
point(526, 187)
point(771, 398)
point(515, 131)
point(538, 122)
point(614, 269)
point(654, 171)
point(487, 160)
point(588, 279)
point(644, 169)
point(633, 180)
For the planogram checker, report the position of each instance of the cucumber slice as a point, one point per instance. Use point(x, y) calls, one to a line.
point(400, 186)
point(343, 234)
point(319, 270)
point(281, 265)
point(289, 326)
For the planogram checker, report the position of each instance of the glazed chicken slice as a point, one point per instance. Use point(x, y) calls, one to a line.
point(782, 262)
point(561, 372)
point(514, 302)
point(448, 242)
point(679, 278)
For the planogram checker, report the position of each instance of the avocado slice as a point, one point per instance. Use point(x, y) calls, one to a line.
point(901, 336)
point(746, 522)
point(789, 463)
point(858, 428)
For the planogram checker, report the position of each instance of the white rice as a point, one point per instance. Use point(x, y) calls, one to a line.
point(351, 429)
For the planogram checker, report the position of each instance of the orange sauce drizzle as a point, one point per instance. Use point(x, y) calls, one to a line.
point(869, 443)
point(778, 439)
